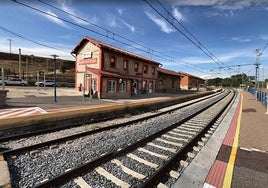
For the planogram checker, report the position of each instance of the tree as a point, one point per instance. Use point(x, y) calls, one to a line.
point(63, 68)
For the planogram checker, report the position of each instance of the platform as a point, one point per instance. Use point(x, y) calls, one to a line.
point(237, 154)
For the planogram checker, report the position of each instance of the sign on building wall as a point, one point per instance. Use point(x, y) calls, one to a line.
point(88, 61)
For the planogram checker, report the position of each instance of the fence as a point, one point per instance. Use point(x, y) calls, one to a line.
point(259, 95)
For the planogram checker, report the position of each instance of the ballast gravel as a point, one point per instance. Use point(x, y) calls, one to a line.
point(29, 170)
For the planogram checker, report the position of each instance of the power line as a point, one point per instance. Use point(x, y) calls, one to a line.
point(38, 43)
point(102, 28)
point(98, 33)
point(104, 35)
point(191, 38)
point(264, 47)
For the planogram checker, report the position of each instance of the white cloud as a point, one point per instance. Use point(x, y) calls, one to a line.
point(222, 4)
point(264, 37)
point(164, 26)
point(177, 14)
point(196, 60)
point(130, 27)
point(112, 22)
point(194, 2)
point(219, 5)
point(54, 18)
point(120, 11)
point(241, 39)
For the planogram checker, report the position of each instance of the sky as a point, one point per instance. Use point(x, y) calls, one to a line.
point(205, 38)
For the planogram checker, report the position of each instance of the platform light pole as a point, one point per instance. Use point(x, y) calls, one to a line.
point(55, 76)
point(257, 64)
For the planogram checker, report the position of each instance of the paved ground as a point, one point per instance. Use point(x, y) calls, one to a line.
point(65, 97)
point(249, 164)
point(251, 168)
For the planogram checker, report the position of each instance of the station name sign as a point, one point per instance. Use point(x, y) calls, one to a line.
point(88, 61)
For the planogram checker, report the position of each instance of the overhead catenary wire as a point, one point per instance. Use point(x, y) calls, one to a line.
point(188, 36)
point(106, 30)
point(30, 40)
point(264, 47)
point(98, 33)
point(151, 51)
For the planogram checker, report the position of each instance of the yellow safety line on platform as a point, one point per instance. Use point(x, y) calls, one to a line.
point(230, 167)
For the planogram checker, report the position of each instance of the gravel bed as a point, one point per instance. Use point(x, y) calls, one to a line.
point(75, 130)
point(13, 144)
point(95, 180)
point(148, 157)
point(117, 171)
point(158, 150)
point(25, 169)
point(133, 164)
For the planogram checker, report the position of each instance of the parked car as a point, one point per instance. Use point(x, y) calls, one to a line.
point(15, 81)
point(45, 83)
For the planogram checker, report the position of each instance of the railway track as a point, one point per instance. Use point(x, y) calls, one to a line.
point(112, 156)
point(71, 132)
point(144, 163)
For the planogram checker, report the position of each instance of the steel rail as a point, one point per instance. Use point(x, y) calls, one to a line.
point(7, 152)
point(45, 131)
point(55, 181)
point(156, 177)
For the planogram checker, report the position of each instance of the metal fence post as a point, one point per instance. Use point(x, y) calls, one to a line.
point(266, 96)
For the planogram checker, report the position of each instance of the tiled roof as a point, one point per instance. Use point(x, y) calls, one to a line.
point(170, 72)
point(113, 48)
point(189, 75)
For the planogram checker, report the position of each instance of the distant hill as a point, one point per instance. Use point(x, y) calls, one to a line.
point(31, 64)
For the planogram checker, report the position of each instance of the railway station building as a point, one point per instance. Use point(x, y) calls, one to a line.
point(111, 72)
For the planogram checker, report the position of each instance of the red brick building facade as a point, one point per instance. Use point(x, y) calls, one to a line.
point(189, 81)
point(168, 81)
point(111, 72)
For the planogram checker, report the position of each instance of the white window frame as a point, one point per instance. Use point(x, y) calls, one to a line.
point(122, 87)
point(111, 86)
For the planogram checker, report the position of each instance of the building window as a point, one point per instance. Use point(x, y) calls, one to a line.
point(125, 65)
point(122, 87)
point(136, 67)
point(173, 83)
point(112, 62)
point(111, 86)
point(153, 70)
point(145, 69)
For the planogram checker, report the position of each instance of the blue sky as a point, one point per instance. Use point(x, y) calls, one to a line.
point(225, 33)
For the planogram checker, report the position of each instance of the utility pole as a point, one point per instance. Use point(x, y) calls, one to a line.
point(47, 66)
point(19, 63)
point(9, 44)
point(55, 77)
point(27, 69)
point(258, 54)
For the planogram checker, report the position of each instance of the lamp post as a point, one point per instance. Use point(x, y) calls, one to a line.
point(55, 77)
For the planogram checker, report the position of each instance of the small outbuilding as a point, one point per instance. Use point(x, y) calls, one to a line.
point(190, 82)
point(168, 81)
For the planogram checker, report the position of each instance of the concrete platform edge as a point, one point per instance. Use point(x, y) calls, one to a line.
point(195, 174)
